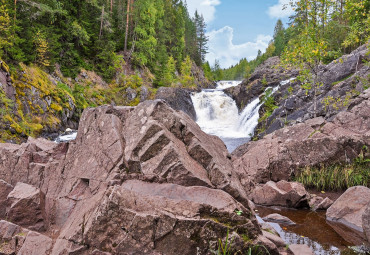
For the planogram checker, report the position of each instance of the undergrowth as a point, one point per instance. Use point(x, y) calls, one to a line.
point(338, 176)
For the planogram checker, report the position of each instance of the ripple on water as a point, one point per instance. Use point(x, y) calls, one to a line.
point(311, 229)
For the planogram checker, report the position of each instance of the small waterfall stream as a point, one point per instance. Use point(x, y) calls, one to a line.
point(217, 114)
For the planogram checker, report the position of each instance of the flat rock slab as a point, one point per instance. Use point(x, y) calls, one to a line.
point(346, 214)
point(277, 218)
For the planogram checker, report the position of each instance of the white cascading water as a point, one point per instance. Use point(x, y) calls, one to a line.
point(217, 114)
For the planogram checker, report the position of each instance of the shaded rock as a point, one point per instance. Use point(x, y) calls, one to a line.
point(366, 223)
point(178, 98)
point(26, 206)
point(5, 189)
point(283, 193)
point(319, 203)
point(268, 74)
point(277, 218)
point(300, 249)
point(342, 80)
point(346, 214)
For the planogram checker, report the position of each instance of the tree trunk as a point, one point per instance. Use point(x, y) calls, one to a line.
point(127, 24)
point(101, 23)
point(111, 5)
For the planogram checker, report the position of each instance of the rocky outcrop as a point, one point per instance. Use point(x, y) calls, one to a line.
point(140, 179)
point(342, 81)
point(178, 98)
point(346, 214)
point(280, 155)
point(282, 193)
point(268, 74)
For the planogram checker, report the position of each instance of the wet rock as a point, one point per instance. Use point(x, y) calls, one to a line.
point(366, 223)
point(26, 206)
point(276, 239)
point(300, 249)
point(5, 189)
point(319, 203)
point(277, 218)
point(346, 214)
point(283, 193)
point(179, 99)
point(268, 228)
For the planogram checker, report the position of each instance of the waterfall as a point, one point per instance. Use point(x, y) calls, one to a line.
point(217, 114)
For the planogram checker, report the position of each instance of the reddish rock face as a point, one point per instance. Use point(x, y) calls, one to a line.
point(366, 223)
point(283, 193)
point(143, 179)
point(347, 212)
point(26, 206)
point(5, 189)
point(279, 155)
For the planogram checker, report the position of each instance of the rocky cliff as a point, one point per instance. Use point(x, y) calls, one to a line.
point(342, 81)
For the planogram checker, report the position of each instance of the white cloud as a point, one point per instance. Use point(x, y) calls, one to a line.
point(282, 9)
point(205, 7)
point(221, 47)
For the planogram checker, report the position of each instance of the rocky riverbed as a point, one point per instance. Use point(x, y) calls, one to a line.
point(148, 180)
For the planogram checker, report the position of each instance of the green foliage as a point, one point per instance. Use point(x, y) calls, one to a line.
point(224, 248)
point(337, 176)
point(169, 72)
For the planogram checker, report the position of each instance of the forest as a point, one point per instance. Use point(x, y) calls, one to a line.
point(319, 29)
point(99, 34)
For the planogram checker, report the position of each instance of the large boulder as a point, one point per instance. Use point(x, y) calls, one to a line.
point(178, 98)
point(282, 154)
point(282, 193)
point(346, 214)
point(26, 206)
point(140, 179)
point(167, 218)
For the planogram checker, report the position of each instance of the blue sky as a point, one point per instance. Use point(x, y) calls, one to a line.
point(239, 28)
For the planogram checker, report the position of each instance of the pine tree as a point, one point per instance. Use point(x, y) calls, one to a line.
point(42, 48)
point(279, 38)
point(5, 27)
point(169, 72)
point(202, 39)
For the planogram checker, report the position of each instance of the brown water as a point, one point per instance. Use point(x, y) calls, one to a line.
point(310, 229)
